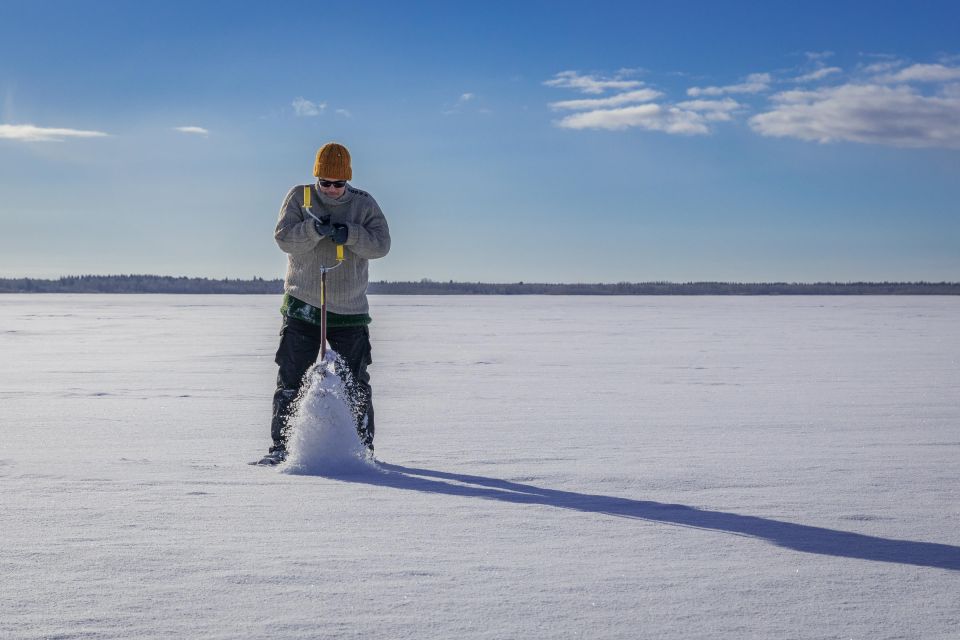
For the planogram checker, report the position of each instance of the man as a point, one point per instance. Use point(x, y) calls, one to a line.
point(344, 216)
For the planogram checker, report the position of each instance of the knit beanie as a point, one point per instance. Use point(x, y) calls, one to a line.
point(333, 162)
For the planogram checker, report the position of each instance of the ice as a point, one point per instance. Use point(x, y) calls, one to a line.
point(551, 467)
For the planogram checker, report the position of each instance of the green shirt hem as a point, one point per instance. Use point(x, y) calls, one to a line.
point(294, 308)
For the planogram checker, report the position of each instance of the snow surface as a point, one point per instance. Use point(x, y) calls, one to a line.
point(553, 467)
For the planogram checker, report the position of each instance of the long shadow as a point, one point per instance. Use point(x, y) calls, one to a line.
point(799, 537)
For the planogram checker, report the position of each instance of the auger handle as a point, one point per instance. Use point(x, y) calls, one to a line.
point(306, 205)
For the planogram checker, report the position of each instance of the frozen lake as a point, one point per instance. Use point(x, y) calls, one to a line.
point(552, 467)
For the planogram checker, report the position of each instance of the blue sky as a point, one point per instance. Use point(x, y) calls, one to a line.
point(505, 141)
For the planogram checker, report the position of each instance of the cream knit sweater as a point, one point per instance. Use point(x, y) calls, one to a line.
point(368, 237)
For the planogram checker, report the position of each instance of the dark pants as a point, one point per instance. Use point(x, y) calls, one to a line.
point(299, 349)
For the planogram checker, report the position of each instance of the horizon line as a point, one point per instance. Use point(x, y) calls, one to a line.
point(494, 282)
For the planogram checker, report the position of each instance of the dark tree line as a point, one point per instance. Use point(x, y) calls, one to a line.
point(138, 284)
point(670, 288)
point(170, 284)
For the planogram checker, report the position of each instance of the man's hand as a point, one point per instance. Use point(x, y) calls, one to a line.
point(323, 226)
point(339, 234)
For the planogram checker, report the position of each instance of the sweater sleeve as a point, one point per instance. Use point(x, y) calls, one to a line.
point(295, 232)
point(371, 237)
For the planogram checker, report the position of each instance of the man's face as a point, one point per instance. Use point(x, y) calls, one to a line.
point(331, 188)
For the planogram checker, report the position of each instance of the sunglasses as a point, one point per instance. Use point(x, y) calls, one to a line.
point(332, 183)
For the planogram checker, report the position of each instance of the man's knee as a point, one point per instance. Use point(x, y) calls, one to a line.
point(298, 350)
point(352, 344)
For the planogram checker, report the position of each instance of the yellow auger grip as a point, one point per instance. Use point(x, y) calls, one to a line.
point(306, 196)
point(339, 253)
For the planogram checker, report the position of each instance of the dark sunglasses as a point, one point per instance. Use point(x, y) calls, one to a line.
point(332, 183)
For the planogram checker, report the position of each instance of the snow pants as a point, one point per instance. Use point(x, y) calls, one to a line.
point(298, 351)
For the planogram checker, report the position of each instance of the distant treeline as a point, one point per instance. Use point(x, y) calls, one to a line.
point(170, 284)
point(670, 288)
point(138, 284)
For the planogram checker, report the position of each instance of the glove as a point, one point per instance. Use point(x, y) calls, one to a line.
point(323, 226)
point(340, 233)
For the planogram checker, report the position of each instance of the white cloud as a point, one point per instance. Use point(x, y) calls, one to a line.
point(818, 74)
point(31, 133)
point(755, 83)
point(457, 106)
point(640, 95)
point(886, 103)
point(645, 116)
point(951, 91)
point(633, 106)
point(344, 113)
point(883, 67)
point(712, 110)
point(195, 130)
point(865, 113)
point(462, 105)
point(591, 84)
point(304, 107)
point(923, 73)
point(818, 56)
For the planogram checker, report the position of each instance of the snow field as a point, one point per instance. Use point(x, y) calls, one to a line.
point(551, 468)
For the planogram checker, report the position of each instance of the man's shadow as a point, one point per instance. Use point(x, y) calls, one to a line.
point(799, 537)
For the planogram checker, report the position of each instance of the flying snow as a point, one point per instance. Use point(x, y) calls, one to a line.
point(323, 436)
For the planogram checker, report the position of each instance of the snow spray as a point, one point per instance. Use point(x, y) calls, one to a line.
point(323, 437)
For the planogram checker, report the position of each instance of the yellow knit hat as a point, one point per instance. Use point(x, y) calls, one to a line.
point(333, 162)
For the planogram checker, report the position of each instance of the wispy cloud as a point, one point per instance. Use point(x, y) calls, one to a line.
point(590, 83)
point(712, 110)
point(917, 106)
point(816, 68)
point(922, 73)
point(307, 108)
point(818, 74)
point(344, 113)
point(818, 56)
point(31, 133)
point(653, 117)
point(884, 66)
point(629, 97)
point(867, 113)
point(754, 83)
point(885, 102)
point(463, 104)
point(194, 130)
point(633, 106)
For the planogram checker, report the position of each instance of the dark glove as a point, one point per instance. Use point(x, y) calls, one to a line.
point(339, 235)
point(323, 226)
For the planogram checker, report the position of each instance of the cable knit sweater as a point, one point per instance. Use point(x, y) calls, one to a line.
point(368, 237)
